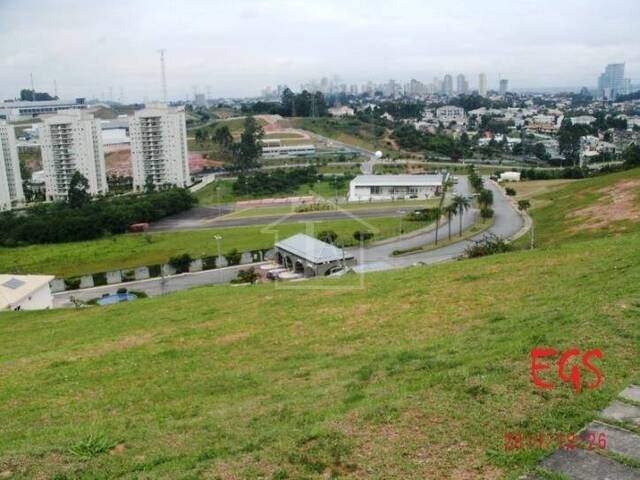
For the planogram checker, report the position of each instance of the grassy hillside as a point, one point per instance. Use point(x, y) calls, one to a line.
point(418, 375)
point(132, 250)
point(347, 130)
point(607, 205)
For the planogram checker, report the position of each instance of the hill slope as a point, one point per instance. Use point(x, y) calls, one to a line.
point(419, 375)
point(606, 205)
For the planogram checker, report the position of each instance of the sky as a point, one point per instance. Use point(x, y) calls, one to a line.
point(109, 49)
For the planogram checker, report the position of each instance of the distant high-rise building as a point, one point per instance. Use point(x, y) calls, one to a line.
point(353, 89)
point(11, 192)
point(200, 100)
point(482, 84)
point(447, 85)
point(72, 141)
point(159, 146)
point(504, 86)
point(462, 86)
point(611, 81)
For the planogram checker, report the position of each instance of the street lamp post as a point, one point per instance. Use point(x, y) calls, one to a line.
point(217, 238)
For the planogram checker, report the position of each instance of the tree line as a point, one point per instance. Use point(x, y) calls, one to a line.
point(277, 181)
point(79, 218)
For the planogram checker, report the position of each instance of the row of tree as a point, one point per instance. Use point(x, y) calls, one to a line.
point(277, 181)
point(79, 218)
point(412, 139)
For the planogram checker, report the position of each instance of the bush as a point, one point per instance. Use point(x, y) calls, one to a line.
point(246, 276)
point(328, 236)
point(72, 283)
point(181, 262)
point(128, 276)
point(486, 212)
point(313, 207)
point(209, 263)
point(510, 191)
point(422, 215)
point(99, 279)
point(121, 290)
point(154, 270)
point(233, 257)
point(362, 236)
point(139, 293)
point(488, 245)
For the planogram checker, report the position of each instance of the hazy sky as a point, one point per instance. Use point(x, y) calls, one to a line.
point(236, 47)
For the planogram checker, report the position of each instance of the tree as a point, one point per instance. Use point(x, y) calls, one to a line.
point(450, 210)
point(149, 184)
point(437, 212)
point(485, 197)
point(223, 137)
point(486, 212)
point(462, 204)
point(249, 149)
point(78, 195)
point(328, 236)
point(362, 235)
point(31, 95)
point(201, 136)
point(631, 156)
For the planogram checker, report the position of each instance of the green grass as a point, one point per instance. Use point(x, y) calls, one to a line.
point(350, 131)
point(561, 214)
point(418, 375)
point(132, 250)
point(221, 192)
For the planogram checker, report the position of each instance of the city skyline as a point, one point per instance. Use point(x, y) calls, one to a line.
point(233, 49)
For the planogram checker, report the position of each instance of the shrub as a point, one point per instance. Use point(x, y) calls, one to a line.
point(422, 215)
point(121, 290)
point(488, 245)
point(72, 283)
point(99, 279)
point(313, 207)
point(139, 293)
point(181, 262)
point(233, 257)
point(154, 270)
point(486, 212)
point(362, 235)
point(128, 275)
point(328, 236)
point(510, 191)
point(209, 263)
point(246, 276)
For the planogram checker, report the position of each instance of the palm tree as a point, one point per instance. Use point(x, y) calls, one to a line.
point(462, 204)
point(437, 211)
point(450, 210)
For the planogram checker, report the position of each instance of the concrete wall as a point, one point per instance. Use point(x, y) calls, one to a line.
point(38, 300)
point(158, 286)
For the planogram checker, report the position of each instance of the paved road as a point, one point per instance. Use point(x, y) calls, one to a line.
point(507, 222)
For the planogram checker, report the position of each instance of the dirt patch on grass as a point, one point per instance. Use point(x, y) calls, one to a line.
point(618, 203)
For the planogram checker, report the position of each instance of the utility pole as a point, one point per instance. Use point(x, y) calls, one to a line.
point(55, 88)
point(164, 75)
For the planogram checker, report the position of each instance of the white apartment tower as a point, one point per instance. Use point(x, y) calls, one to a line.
point(159, 146)
point(72, 141)
point(482, 84)
point(11, 192)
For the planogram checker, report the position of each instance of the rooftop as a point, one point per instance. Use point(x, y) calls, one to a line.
point(312, 249)
point(398, 180)
point(14, 288)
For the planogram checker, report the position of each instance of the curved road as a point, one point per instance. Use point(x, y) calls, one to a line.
point(507, 222)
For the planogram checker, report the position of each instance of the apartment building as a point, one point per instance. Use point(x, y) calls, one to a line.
point(72, 141)
point(159, 146)
point(11, 193)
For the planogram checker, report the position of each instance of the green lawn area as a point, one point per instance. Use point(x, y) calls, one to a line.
point(132, 250)
point(403, 204)
point(418, 375)
point(221, 192)
point(602, 206)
